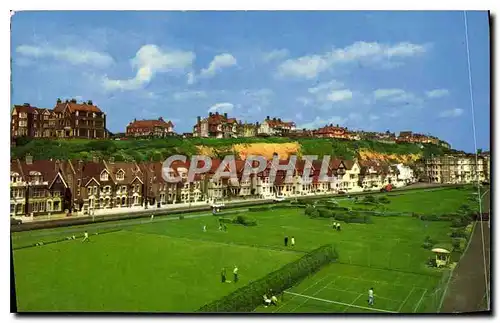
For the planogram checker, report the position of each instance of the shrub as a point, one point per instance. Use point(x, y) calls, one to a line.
point(369, 199)
point(325, 213)
point(181, 217)
point(248, 297)
point(428, 243)
point(384, 200)
point(458, 233)
point(342, 217)
point(456, 245)
point(245, 220)
point(225, 220)
point(309, 209)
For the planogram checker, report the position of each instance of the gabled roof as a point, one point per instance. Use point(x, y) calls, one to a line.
point(73, 106)
point(131, 171)
point(150, 123)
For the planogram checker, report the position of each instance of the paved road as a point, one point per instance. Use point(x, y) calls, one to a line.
point(467, 288)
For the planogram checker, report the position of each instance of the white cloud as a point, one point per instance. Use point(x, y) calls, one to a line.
point(148, 61)
point(452, 113)
point(374, 117)
point(326, 86)
point(191, 79)
point(71, 55)
point(186, 95)
point(384, 93)
point(221, 107)
point(218, 62)
point(305, 101)
point(397, 96)
point(321, 122)
point(311, 66)
point(340, 95)
point(437, 93)
point(275, 55)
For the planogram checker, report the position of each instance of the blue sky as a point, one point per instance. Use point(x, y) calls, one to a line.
point(365, 70)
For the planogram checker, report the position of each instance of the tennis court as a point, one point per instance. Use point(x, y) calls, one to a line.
point(341, 288)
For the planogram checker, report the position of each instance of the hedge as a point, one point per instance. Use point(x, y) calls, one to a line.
point(248, 297)
point(245, 220)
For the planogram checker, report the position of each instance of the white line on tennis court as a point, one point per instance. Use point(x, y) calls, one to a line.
point(418, 304)
point(406, 299)
point(340, 303)
point(311, 286)
point(379, 282)
point(352, 303)
point(316, 293)
point(353, 292)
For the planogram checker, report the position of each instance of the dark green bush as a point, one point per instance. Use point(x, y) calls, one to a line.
point(181, 217)
point(245, 220)
point(248, 297)
point(325, 213)
point(458, 233)
point(384, 200)
point(369, 199)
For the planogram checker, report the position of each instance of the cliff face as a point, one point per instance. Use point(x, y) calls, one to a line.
point(365, 154)
point(285, 150)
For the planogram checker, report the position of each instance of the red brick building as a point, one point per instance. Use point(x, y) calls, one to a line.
point(150, 128)
point(331, 131)
point(68, 119)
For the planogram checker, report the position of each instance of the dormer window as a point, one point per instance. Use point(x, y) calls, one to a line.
point(120, 176)
point(104, 176)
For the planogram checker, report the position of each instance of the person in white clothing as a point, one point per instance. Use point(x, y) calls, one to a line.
point(370, 297)
point(293, 241)
point(85, 236)
point(204, 228)
point(152, 217)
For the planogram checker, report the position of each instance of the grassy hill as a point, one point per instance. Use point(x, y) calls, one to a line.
point(159, 149)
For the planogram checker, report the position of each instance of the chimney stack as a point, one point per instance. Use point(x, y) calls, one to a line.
point(267, 118)
point(59, 100)
point(57, 165)
point(28, 159)
point(73, 100)
point(210, 114)
point(111, 160)
point(95, 158)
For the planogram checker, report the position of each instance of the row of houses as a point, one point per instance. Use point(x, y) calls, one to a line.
point(457, 168)
point(52, 186)
point(72, 119)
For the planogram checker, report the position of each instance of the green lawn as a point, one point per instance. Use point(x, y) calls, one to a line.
point(172, 265)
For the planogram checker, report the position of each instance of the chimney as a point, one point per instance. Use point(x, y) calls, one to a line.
point(216, 113)
point(89, 102)
point(160, 118)
point(274, 119)
point(95, 158)
point(210, 114)
point(267, 118)
point(57, 165)
point(111, 160)
point(26, 104)
point(225, 115)
point(28, 159)
point(279, 119)
point(73, 100)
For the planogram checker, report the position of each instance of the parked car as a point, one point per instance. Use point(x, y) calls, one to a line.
point(386, 188)
point(279, 198)
point(342, 192)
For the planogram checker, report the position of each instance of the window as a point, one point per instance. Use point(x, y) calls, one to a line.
point(104, 176)
point(120, 175)
point(95, 190)
point(124, 189)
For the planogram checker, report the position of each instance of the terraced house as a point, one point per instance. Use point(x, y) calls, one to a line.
point(38, 187)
